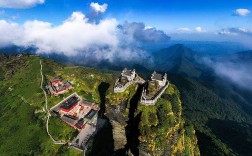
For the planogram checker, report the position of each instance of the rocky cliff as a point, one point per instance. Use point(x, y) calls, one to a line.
point(150, 130)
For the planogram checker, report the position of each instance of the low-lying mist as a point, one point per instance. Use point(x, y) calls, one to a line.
point(232, 69)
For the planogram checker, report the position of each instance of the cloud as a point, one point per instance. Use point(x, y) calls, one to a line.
point(21, 4)
point(96, 11)
point(241, 12)
point(241, 31)
point(138, 32)
point(235, 32)
point(88, 37)
point(237, 72)
point(76, 36)
point(226, 32)
point(240, 35)
point(99, 8)
point(72, 36)
point(10, 33)
point(199, 30)
point(184, 29)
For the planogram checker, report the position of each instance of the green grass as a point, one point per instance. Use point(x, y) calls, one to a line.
point(61, 131)
point(163, 122)
point(22, 130)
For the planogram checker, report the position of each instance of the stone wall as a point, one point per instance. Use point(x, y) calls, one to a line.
point(154, 100)
point(123, 88)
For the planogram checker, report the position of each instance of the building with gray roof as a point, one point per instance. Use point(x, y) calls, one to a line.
point(161, 79)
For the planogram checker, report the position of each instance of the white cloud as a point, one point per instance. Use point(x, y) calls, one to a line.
point(241, 12)
point(72, 36)
point(244, 30)
point(78, 37)
point(226, 32)
point(199, 30)
point(148, 27)
point(240, 35)
point(235, 31)
point(138, 33)
point(237, 72)
point(184, 29)
point(22, 4)
point(9, 32)
point(99, 8)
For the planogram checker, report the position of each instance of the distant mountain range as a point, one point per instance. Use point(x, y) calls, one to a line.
point(211, 47)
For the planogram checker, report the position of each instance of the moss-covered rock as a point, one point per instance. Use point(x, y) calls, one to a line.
point(163, 130)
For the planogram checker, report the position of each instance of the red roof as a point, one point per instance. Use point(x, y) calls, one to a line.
point(68, 110)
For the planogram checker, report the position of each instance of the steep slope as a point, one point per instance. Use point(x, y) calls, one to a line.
point(211, 114)
point(242, 56)
point(212, 102)
point(163, 129)
point(178, 59)
point(154, 130)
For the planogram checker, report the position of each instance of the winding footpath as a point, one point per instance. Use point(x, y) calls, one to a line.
point(48, 115)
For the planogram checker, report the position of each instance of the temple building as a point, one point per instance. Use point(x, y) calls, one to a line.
point(127, 78)
point(161, 79)
point(57, 86)
point(154, 89)
point(129, 74)
point(79, 114)
point(69, 104)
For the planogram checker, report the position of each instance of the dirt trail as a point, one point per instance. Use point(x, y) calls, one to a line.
point(48, 114)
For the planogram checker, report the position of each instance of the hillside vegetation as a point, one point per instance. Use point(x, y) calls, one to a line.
point(219, 109)
point(216, 120)
point(155, 130)
point(163, 130)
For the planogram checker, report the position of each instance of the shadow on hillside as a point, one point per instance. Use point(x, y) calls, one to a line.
point(207, 146)
point(103, 143)
point(236, 135)
point(132, 131)
point(102, 88)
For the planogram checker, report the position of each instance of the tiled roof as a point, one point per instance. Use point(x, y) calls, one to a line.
point(87, 102)
point(91, 114)
point(69, 102)
point(68, 119)
point(127, 72)
point(156, 76)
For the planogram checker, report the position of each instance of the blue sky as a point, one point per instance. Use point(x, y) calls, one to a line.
point(74, 26)
point(167, 15)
